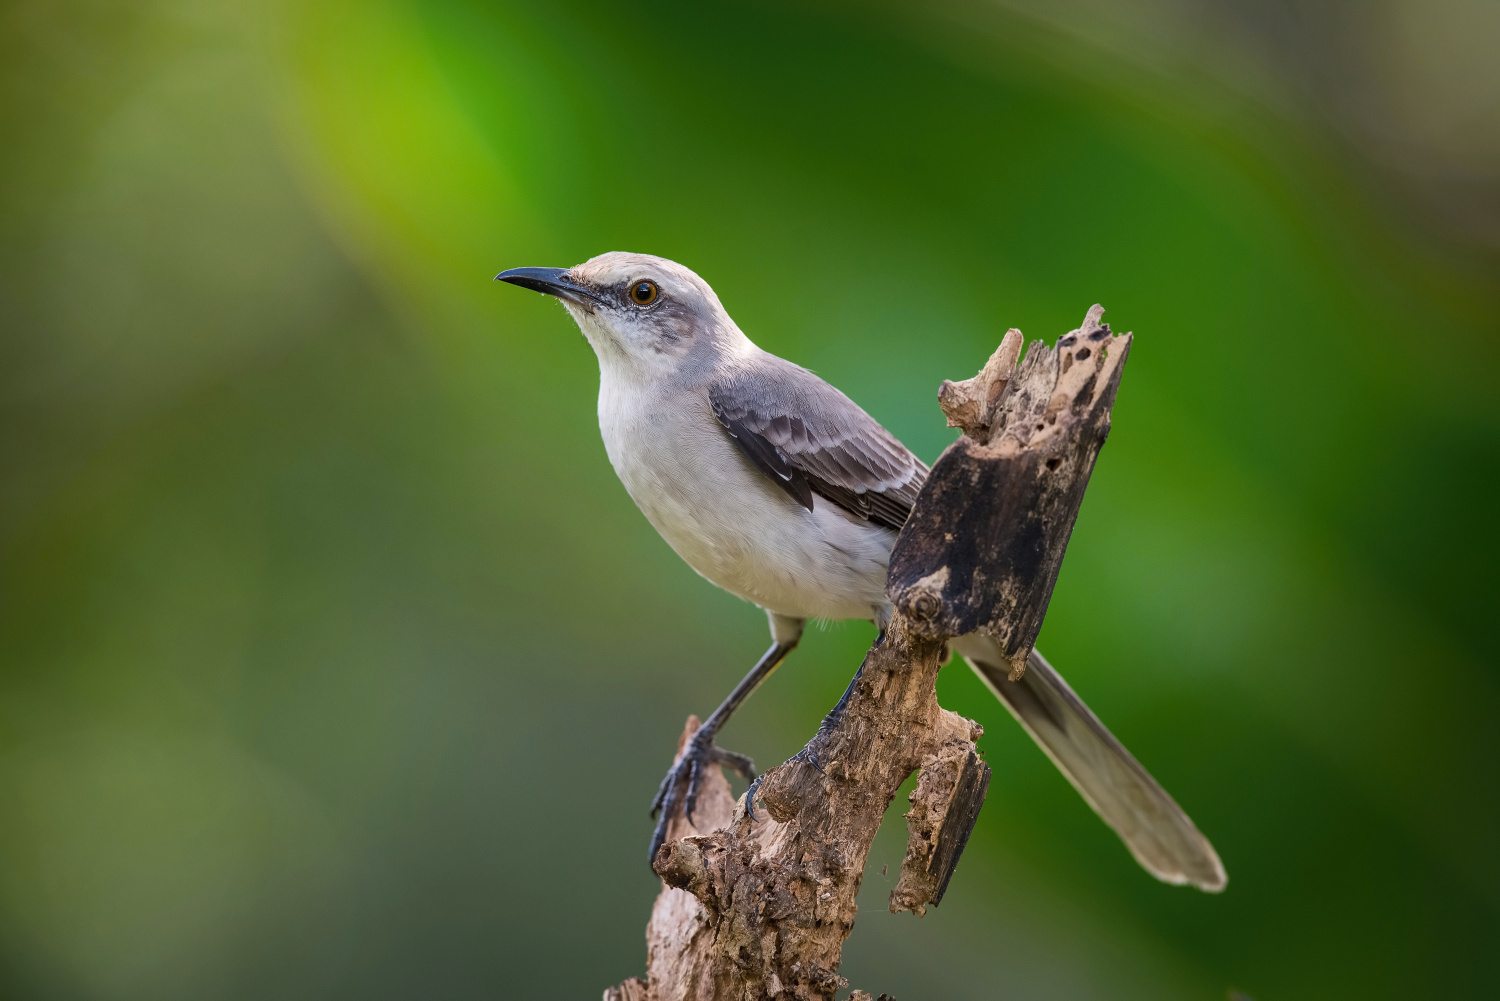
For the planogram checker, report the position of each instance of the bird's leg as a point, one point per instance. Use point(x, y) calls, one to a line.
point(809, 752)
point(701, 751)
point(829, 722)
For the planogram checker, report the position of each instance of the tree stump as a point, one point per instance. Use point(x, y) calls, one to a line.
point(759, 908)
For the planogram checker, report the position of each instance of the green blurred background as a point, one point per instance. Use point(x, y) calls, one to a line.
point(335, 663)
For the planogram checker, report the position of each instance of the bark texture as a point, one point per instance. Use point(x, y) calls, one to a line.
point(984, 544)
point(759, 907)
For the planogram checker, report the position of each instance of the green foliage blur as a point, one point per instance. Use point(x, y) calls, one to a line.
point(335, 663)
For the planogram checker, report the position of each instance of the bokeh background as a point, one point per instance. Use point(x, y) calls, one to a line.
point(335, 663)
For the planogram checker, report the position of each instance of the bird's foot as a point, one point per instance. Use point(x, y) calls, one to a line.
point(808, 755)
point(683, 780)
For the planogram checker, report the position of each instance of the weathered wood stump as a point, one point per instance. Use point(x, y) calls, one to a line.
point(759, 908)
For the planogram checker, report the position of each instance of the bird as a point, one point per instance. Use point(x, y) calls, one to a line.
point(778, 488)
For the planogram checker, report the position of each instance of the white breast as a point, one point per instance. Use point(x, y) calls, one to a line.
point(728, 520)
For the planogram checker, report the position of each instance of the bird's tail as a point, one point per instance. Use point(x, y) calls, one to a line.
point(1160, 836)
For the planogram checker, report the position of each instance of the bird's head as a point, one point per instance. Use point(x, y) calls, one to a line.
point(644, 315)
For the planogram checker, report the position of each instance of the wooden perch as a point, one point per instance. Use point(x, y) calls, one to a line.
point(983, 546)
point(759, 908)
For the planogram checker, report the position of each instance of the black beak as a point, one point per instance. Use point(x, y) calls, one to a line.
point(548, 281)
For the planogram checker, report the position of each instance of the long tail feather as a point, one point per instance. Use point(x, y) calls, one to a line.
point(1160, 836)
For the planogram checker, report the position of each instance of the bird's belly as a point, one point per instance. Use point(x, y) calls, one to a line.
point(737, 529)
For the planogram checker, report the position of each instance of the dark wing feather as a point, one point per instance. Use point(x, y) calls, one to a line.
point(769, 459)
point(809, 438)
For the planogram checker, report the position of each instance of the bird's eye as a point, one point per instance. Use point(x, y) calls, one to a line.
point(643, 293)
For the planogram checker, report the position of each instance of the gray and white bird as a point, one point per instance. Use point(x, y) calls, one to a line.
point(778, 488)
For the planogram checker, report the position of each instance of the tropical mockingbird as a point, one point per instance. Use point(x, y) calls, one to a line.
point(778, 488)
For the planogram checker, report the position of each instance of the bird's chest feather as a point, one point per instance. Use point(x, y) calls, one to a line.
point(685, 475)
point(728, 521)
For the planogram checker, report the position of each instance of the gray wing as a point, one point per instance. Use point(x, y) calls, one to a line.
point(809, 438)
point(1158, 833)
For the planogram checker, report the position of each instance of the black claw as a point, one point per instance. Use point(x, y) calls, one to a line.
point(684, 780)
point(658, 838)
point(668, 805)
point(750, 798)
point(662, 791)
point(667, 798)
point(807, 754)
point(810, 756)
point(695, 779)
